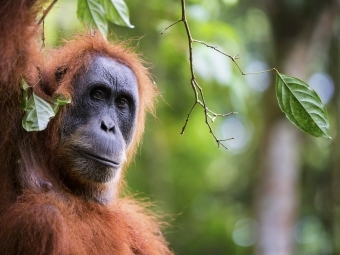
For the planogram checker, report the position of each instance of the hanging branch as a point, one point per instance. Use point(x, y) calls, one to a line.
point(198, 91)
point(42, 20)
point(49, 8)
point(301, 104)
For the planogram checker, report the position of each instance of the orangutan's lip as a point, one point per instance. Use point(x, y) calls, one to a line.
point(100, 159)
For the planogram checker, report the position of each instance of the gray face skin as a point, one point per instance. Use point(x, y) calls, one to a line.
point(98, 126)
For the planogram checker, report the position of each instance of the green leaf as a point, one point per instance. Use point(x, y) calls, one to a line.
point(302, 105)
point(91, 12)
point(58, 101)
point(117, 12)
point(37, 115)
point(24, 84)
point(25, 87)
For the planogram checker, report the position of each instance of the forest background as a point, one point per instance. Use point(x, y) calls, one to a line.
point(274, 190)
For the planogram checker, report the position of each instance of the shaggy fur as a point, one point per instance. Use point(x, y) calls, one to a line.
point(38, 215)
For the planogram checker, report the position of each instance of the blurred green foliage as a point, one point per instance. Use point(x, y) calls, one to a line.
point(208, 192)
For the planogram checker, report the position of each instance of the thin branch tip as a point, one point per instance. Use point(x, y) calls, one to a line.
point(45, 12)
point(171, 26)
point(198, 91)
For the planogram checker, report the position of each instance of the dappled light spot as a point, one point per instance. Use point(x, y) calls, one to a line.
point(212, 65)
point(310, 233)
point(235, 127)
point(244, 233)
point(258, 17)
point(323, 84)
point(198, 12)
point(307, 229)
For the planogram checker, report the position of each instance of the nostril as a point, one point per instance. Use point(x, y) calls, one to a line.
point(112, 129)
point(107, 125)
point(104, 126)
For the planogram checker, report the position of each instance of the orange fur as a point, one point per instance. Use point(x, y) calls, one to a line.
point(37, 214)
point(47, 224)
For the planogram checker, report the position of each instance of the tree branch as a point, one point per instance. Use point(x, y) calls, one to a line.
point(198, 91)
point(47, 11)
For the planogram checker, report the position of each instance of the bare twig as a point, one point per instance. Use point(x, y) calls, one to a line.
point(47, 11)
point(42, 20)
point(171, 26)
point(198, 91)
point(43, 35)
point(233, 58)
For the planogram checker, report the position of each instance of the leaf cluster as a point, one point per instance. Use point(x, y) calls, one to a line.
point(98, 13)
point(38, 111)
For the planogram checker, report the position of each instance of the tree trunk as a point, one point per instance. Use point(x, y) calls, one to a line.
point(277, 198)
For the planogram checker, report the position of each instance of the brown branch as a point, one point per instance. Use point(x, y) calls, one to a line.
point(43, 35)
point(187, 119)
point(47, 11)
point(233, 58)
point(171, 26)
point(198, 91)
